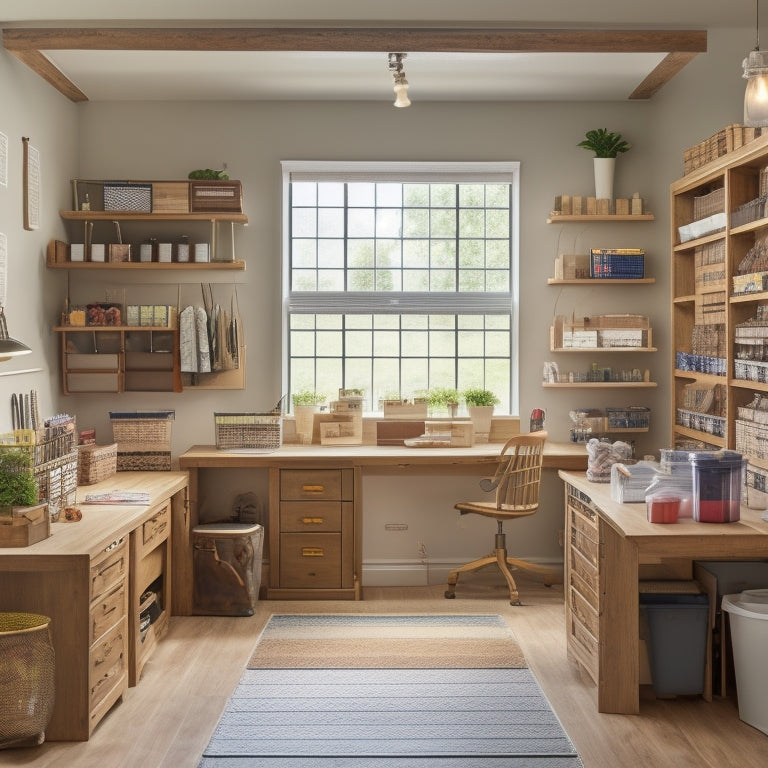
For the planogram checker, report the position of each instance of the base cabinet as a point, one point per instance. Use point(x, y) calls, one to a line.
point(314, 530)
point(88, 578)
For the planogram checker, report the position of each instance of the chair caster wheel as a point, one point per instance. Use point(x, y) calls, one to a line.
point(449, 595)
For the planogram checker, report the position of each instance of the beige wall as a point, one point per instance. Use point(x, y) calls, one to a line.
point(166, 140)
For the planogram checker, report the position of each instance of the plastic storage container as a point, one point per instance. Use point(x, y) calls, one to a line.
point(662, 507)
point(748, 612)
point(227, 568)
point(717, 479)
point(677, 641)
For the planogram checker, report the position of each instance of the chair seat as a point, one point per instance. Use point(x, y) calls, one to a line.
point(490, 509)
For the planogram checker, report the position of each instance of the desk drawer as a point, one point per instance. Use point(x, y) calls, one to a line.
point(310, 484)
point(310, 560)
point(301, 516)
point(108, 663)
point(109, 568)
point(107, 611)
point(154, 531)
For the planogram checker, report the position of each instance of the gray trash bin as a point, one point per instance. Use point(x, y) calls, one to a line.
point(748, 617)
point(227, 568)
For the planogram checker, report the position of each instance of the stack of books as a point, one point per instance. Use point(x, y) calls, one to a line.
point(617, 263)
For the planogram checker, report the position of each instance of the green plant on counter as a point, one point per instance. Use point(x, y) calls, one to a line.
point(480, 397)
point(604, 143)
point(208, 174)
point(308, 397)
point(443, 397)
point(17, 482)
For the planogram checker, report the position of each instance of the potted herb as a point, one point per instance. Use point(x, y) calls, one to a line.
point(480, 404)
point(606, 145)
point(444, 398)
point(306, 403)
point(23, 521)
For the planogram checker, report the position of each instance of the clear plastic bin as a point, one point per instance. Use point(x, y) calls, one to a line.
point(717, 479)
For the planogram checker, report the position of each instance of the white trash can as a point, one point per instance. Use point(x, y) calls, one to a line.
point(748, 614)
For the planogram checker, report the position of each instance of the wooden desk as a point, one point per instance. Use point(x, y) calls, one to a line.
point(479, 459)
point(88, 577)
point(625, 543)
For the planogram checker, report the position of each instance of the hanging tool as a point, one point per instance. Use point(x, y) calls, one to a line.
point(15, 413)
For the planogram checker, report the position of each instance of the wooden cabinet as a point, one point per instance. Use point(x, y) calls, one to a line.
point(582, 580)
point(88, 578)
point(314, 530)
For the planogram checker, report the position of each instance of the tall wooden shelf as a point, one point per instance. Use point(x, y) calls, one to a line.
point(738, 175)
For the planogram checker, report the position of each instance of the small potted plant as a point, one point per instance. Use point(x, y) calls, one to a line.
point(444, 398)
point(480, 403)
point(306, 403)
point(23, 520)
point(606, 145)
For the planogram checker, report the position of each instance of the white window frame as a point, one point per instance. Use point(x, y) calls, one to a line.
point(507, 172)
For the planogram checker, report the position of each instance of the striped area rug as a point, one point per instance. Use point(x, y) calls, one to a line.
point(382, 691)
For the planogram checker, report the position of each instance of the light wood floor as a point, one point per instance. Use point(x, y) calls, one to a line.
point(166, 721)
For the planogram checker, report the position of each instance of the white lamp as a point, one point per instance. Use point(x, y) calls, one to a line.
point(756, 75)
point(401, 84)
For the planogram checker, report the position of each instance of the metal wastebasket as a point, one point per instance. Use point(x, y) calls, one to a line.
point(227, 568)
point(27, 679)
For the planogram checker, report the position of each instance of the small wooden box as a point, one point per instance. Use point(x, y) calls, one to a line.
point(170, 197)
point(22, 526)
point(215, 196)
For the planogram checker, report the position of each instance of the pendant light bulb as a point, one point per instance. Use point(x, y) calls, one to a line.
point(755, 67)
point(401, 91)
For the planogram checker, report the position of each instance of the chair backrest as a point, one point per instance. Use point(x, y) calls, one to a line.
point(519, 473)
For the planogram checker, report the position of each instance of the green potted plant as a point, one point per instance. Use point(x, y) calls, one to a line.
point(444, 398)
point(606, 145)
point(480, 403)
point(23, 520)
point(306, 403)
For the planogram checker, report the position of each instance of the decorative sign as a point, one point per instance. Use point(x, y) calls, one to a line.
point(31, 185)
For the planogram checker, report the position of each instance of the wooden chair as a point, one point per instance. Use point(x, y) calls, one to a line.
point(516, 482)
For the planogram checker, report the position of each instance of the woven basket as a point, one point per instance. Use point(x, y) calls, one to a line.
point(27, 671)
point(261, 432)
point(143, 440)
point(96, 462)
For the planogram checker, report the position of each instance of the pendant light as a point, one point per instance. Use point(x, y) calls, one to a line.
point(756, 75)
point(9, 347)
point(401, 84)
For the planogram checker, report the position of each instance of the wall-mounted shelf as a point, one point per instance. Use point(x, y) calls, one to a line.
point(596, 350)
point(556, 219)
point(600, 281)
point(600, 385)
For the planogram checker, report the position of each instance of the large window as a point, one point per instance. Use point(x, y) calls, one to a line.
point(401, 277)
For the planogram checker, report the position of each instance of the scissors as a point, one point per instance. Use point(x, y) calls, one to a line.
point(16, 415)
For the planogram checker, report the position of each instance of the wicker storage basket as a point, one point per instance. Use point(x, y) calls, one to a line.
point(27, 669)
point(253, 432)
point(95, 463)
point(143, 439)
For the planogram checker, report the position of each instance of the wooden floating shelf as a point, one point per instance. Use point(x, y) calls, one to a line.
point(122, 328)
point(595, 350)
point(237, 265)
point(235, 218)
point(557, 218)
point(600, 384)
point(599, 280)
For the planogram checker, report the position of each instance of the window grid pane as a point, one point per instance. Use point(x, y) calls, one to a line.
point(398, 238)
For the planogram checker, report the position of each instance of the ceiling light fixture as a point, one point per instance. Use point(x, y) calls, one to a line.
point(756, 74)
point(401, 84)
point(9, 347)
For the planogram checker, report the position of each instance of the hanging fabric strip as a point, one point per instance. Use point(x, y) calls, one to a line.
point(188, 340)
point(203, 348)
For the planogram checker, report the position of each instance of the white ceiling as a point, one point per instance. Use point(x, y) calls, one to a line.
point(249, 75)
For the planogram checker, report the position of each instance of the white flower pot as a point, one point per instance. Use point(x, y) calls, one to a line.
point(604, 171)
point(305, 422)
point(480, 416)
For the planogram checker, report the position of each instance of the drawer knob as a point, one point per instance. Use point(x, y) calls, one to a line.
point(313, 488)
point(313, 520)
point(312, 552)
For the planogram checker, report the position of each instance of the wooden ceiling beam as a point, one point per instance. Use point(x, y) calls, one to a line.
point(440, 40)
point(667, 68)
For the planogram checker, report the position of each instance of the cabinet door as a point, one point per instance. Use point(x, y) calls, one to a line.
point(310, 560)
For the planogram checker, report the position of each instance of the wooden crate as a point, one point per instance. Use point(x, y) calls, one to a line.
point(215, 196)
point(22, 526)
point(170, 197)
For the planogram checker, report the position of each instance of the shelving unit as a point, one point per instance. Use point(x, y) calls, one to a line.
point(127, 358)
point(585, 217)
point(738, 180)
